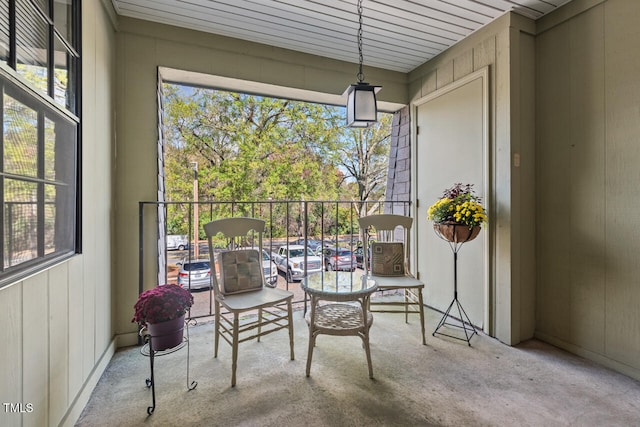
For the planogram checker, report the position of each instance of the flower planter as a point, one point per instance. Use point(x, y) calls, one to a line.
point(165, 335)
point(456, 233)
point(156, 305)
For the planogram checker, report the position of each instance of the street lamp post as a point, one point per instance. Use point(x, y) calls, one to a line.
point(196, 247)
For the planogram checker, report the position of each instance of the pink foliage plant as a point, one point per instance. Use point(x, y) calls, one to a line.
point(162, 303)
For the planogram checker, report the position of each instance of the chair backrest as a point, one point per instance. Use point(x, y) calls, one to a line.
point(239, 267)
point(386, 244)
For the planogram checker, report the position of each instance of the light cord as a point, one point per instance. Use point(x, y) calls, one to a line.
point(360, 73)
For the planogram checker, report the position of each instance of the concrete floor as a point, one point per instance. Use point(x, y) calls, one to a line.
point(445, 383)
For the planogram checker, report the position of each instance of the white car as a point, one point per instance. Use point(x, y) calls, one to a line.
point(177, 241)
point(290, 260)
point(270, 269)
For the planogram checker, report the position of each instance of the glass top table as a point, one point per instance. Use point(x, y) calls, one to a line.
point(338, 285)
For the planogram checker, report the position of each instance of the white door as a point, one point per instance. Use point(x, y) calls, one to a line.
point(451, 148)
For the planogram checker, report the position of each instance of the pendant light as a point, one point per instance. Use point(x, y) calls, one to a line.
point(362, 108)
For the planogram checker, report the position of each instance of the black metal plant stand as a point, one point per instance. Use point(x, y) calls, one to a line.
point(462, 321)
point(147, 350)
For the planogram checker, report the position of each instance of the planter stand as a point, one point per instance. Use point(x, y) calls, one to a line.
point(462, 321)
point(147, 350)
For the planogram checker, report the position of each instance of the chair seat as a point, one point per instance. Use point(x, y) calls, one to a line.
point(397, 282)
point(339, 319)
point(255, 299)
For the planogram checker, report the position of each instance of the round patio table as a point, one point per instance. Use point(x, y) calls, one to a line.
point(339, 306)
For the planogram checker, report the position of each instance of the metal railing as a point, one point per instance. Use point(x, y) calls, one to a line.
point(332, 223)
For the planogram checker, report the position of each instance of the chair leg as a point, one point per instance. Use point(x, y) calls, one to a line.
point(290, 317)
point(234, 351)
point(406, 305)
point(312, 343)
point(367, 350)
point(259, 323)
point(424, 341)
point(216, 338)
point(365, 333)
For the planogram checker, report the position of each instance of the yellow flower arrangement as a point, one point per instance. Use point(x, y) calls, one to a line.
point(460, 205)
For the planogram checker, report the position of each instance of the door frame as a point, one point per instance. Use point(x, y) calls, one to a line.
point(483, 74)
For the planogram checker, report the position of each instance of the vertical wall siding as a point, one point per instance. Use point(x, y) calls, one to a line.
point(57, 325)
point(59, 351)
point(622, 192)
point(523, 192)
point(78, 370)
point(587, 184)
point(11, 351)
point(35, 348)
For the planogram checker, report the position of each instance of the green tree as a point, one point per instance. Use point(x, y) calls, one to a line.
point(364, 156)
point(251, 148)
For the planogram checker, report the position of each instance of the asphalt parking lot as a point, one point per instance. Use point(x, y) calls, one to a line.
point(203, 298)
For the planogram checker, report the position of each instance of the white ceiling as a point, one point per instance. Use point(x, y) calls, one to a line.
point(398, 35)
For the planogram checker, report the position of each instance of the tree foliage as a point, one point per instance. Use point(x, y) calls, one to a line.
point(250, 148)
point(365, 156)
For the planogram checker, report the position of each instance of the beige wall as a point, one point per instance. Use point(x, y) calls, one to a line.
point(57, 333)
point(506, 47)
point(145, 46)
point(588, 232)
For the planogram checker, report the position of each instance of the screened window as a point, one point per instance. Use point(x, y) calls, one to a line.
point(39, 59)
point(4, 32)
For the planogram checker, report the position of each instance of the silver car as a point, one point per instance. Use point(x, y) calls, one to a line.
point(339, 259)
point(195, 274)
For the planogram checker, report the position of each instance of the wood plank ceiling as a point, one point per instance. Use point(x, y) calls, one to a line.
point(398, 35)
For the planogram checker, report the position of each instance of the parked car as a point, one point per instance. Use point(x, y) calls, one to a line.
point(177, 241)
point(311, 243)
point(327, 243)
point(195, 274)
point(290, 261)
point(318, 251)
point(339, 259)
point(359, 254)
point(270, 269)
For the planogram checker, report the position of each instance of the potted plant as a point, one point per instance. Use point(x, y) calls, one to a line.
point(458, 214)
point(161, 310)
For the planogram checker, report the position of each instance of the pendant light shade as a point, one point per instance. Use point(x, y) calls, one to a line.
point(362, 107)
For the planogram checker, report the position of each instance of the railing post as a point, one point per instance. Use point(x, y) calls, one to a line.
point(140, 253)
point(190, 233)
point(305, 234)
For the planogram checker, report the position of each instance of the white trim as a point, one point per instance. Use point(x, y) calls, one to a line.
point(262, 89)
